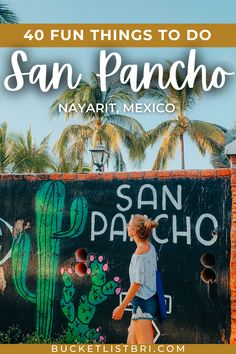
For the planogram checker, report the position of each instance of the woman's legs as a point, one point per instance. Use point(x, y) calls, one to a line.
point(131, 335)
point(143, 331)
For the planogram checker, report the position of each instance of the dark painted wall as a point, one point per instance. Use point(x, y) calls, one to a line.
point(194, 220)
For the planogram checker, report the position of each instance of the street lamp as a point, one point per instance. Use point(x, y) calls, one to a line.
point(99, 157)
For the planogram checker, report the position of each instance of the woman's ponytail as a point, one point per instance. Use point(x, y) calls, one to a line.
point(143, 226)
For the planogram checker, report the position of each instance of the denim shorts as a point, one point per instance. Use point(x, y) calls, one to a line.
point(144, 309)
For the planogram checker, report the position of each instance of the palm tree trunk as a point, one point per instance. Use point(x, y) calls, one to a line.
point(182, 151)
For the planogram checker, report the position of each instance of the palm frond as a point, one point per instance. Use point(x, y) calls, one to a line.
point(119, 96)
point(115, 138)
point(7, 16)
point(105, 127)
point(183, 99)
point(6, 143)
point(153, 135)
point(207, 136)
point(219, 160)
point(125, 122)
point(154, 94)
point(225, 130)
point(27, 157)
point(118, 161)
point(168, 148)
point(101, 136)
point(74, 136)
point(133, 142)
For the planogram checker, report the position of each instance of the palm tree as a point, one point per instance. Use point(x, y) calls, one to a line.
point(110, 128)
point(219, 159)
point(207, 136)
point(70, 163)
point(27, 157)
point(6, 15)
point(5, 148)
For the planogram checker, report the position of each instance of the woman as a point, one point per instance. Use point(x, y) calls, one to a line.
point(142, 272)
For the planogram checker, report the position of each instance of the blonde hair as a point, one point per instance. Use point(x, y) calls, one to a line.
point(143, 226)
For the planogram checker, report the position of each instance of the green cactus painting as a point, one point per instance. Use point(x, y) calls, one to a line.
point(49, 206)
point(78, 326)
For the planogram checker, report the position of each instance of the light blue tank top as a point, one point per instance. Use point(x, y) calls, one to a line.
point(142, 270)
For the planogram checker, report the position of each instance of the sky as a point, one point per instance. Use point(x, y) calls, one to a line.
point(29, 107)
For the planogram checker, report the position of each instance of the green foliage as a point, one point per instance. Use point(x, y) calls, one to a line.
point(6, 145)
point(34, 338)
point(19, 154)
point(207, 136)
point(11, 336)
point(109, 128)
point(14, 335)
point(27, 157)
point(219, 159)
point(6, 15)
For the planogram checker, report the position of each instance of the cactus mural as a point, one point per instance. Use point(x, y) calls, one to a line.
point(78, 326)
point(49, 205)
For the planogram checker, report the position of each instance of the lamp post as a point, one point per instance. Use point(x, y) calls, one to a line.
point(99, 157)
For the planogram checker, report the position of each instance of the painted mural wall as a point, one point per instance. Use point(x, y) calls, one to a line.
point(64, 255)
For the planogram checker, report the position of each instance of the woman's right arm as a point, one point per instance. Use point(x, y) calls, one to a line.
point(119, 310)
point(134, 287)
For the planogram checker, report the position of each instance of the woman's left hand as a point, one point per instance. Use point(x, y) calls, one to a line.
point(118, 313)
